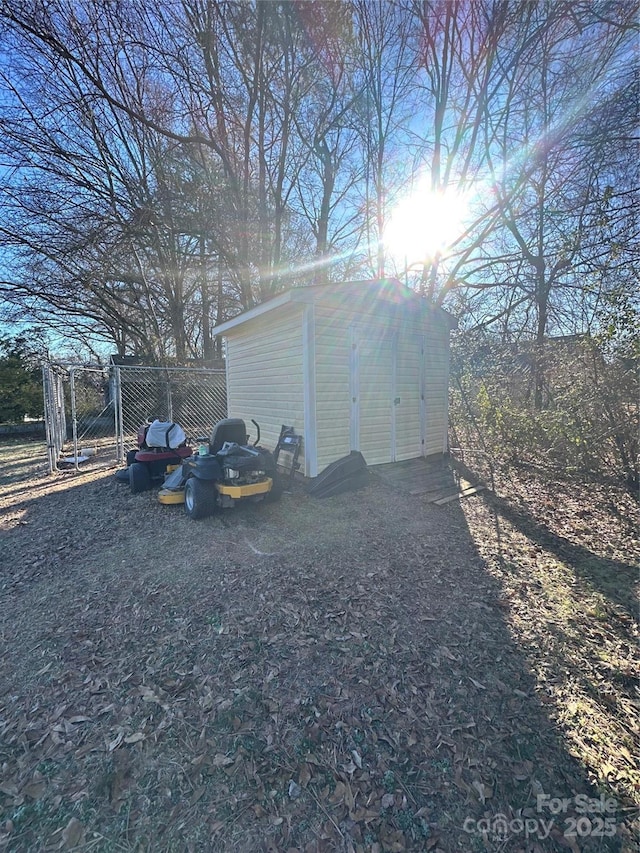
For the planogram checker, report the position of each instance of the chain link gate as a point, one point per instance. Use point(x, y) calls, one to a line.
point(98, 411)
point(78, 410)
point(55, 420)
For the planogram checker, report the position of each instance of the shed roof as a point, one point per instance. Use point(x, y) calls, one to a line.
point(347, 295)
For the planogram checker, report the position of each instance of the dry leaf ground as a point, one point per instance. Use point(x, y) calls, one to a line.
point(365, 673)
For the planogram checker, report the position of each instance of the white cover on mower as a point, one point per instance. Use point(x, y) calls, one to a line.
point(165, 434)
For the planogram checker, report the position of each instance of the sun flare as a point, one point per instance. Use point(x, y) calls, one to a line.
point(424, 225)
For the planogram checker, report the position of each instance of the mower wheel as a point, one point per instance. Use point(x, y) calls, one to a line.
point(199, 498)
point(139, 477)
point(277, 488)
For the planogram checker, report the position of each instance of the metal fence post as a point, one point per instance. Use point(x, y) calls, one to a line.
point(74, 417)
point(61, 416)
point(117, 408)
point(48, 426)
point(169, 400)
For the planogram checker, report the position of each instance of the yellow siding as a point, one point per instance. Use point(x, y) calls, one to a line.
point(436, 382)
point(375, 397)
point(333, 398)
point(264, 372)
point(436, 389)
point(266, 380)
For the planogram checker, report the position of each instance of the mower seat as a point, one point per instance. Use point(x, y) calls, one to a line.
point(228, 429)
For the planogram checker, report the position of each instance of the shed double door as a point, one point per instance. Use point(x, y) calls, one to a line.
point(387, 396)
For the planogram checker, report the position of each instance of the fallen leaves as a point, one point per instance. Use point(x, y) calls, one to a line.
point(220, 760)
point(36, 788)
point(136, 737)
point(72, 835)
point(294, 790)
point(360, 691)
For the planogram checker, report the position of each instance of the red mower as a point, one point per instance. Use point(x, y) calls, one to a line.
point(161, 445)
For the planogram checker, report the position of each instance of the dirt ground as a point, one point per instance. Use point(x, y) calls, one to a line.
point(368, 672)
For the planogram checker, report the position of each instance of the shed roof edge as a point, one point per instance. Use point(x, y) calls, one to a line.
point(303, 295)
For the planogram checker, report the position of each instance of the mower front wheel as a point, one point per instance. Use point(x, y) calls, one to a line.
point(277, 488)
point(199, 498)
point(139, 477)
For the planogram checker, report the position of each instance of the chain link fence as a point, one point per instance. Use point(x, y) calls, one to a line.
point(55, 420)
point(92, 414)
point(195, 398)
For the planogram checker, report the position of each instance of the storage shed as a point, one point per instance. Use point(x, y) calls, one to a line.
point(361, 365)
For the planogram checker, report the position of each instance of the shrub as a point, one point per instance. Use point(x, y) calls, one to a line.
point(20, 383)
point(588, 425)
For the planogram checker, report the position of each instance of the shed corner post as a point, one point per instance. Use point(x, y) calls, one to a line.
point(225, 347)
point(309, 382)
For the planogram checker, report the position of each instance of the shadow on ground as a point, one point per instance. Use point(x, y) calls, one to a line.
point(614, 578)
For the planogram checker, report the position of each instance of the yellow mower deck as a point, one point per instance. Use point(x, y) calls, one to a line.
point(170, 496)
point(247, 491)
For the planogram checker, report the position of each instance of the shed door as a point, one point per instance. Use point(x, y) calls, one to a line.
point(387, 396)
point(372, 396)
point(408, 398)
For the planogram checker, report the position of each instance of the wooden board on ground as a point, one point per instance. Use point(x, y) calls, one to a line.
point(466, 493)
point(431, 479)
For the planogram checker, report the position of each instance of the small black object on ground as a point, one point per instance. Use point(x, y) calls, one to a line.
point(344, 475)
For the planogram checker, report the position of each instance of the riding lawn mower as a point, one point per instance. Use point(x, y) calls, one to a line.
point(226, 469)
point(161, 446)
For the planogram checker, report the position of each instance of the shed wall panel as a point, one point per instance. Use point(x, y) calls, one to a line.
point(265, 380)
point(375, 398)
point(333, 398)
point(416, 373)
point(436, 390)
point(399, 358)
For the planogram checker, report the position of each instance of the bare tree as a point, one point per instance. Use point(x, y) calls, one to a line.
point(92, 217)
point(167, 166)
point(383, 110)
point(549, 168)
point(455, 47)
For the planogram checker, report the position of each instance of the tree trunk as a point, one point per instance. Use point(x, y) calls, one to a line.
point(207, 344)
point(542, 306)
